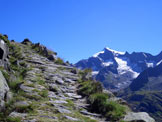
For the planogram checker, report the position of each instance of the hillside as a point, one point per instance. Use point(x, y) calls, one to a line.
point(144, 93)
point(38, 86)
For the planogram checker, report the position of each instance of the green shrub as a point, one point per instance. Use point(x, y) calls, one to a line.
point(40, 81)
point(115, 111)
point(24, 108)
point(44, 93)
point(59, 61)
point(89, 87)
point(13, 119)
point(23, 71)
point(98, 102)
point(16, 51)
point(15, 85)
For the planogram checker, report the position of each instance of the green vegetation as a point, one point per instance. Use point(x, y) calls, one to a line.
point(99, 101)
point(59, 61)
point(13, 119)
point(10, 107)
point(5, 38)
point(39, 80)
point(40, 49)
point(5, 73)
point(14, 85)
point(24, 108)
point(44, 93)
point(88, 87)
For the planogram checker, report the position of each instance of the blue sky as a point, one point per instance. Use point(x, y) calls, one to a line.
point(76, 29)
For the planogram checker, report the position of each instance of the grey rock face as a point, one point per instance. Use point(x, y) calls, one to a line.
point(26, 88)
point(71, 118)
point(74, 95)
point(34, 120)
point(4, 51)
point(4, 89)
point(60, 102)
point(138, 117)
point(22, 103)
point(62, 110)
point(49, 117)
point(9, 96)
point(16, 114)
point(59, 81)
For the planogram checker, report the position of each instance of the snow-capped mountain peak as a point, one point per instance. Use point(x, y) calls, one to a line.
point(116, 69)
point(114, 51)
point(96, 55)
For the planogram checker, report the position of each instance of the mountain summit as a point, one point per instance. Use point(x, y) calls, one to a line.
point(107, 49)
point(116, 69)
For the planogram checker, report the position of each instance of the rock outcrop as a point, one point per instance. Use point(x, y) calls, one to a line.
point(4, 89)
point(4, 51)
point(138, 117)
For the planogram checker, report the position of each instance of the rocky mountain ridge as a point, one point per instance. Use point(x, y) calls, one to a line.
point(37, 86)
point(115, 69)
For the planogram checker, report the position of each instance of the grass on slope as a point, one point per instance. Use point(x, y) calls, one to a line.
point(99, 101)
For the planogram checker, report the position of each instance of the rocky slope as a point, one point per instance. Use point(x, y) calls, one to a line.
point(144, 93)
point(115, 69)
point(37, 86)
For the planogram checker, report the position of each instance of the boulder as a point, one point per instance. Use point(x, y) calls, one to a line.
point(59, 81)
point(138, 117)
point(52, 57)
point(4, 89)
point(26, 42)
point(75, 71)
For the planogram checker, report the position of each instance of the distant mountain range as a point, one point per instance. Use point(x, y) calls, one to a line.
point(116, 70)
point(136, 77)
